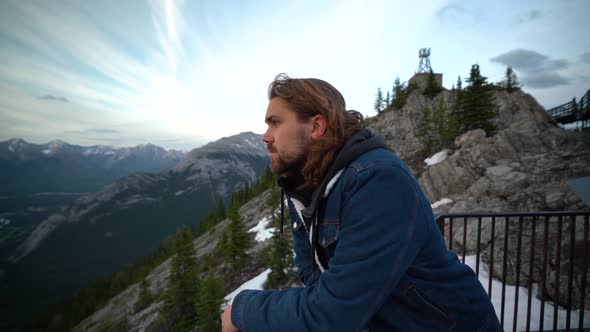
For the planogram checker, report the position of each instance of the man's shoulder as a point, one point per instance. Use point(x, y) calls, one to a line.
point(377, 157)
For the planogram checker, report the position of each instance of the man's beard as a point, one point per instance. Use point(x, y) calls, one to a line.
point(290, 161)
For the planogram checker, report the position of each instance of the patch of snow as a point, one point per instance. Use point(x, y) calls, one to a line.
point(178, 193)
point(263, 233)
point(522, 304)
point(437, 158)
point(441, 202)
point(4, 222)
point(254, 283)
point(46, 151)
point(11, 148)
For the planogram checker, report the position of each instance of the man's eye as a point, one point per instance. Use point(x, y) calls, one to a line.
point(274, 123)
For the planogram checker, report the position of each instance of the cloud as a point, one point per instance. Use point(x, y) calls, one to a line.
point(530, 16)
point(53, 98)
point(537, 70)
point(585, 57)
point(93, 131)
point(450, 11)
point(544, 80)
point(529, 61)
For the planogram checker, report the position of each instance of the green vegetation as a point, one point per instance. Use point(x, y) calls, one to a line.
point(510, 82)
point(235, 241)
point(71, 311)
point(279, 256)
point(432, 87)
point(208, 304)
point(476, 105)
point(178, 313)
point(145, 297)
point(400, 94)
point(379, 101)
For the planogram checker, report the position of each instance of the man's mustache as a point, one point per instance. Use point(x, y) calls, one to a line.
point(271, 149)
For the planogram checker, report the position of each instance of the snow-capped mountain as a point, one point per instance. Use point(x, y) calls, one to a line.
point(62, 167)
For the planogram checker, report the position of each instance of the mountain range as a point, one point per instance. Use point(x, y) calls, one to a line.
point(57, 166)
point(102, 231)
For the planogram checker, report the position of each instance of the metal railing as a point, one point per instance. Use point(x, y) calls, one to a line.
point(562, 256)
point(572, 111)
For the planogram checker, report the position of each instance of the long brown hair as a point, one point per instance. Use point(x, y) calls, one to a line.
point(307, 98)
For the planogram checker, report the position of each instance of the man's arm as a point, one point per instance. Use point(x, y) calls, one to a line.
point(380, 236)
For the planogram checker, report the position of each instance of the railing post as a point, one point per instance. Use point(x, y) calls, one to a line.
point(558, 268)
point(531, 273)
point(518, 244)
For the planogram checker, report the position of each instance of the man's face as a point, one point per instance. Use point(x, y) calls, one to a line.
point(287, 138)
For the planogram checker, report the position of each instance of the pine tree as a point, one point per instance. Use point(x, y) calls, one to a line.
point(477, 105)
point(235, 241)
point(432, 87)
point(439, 125)
point(399, 95)
point(387, 100)
point(208, 303)
point(145, 297)
point(178, 310)
point(379, 101)
point(425, 133)
point(510, 82)
point(221, 209)
point(280, 255)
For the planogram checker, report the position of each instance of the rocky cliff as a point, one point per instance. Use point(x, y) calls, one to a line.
point(522, 167)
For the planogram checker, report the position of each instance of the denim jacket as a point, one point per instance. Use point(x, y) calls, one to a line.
point(379, 263)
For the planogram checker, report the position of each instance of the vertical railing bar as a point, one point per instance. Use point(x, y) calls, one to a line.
point(441, 224)
point(570, 281)
point(531, 274)
point(464, 237)
point(451, 234)
point(584, 268)
point(516, 285)
point(478, 246)
point(543, 274)
point(504, 262)
point(491, 267)
point(557, 271)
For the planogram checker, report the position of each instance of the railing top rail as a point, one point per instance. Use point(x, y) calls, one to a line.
point(514, 214)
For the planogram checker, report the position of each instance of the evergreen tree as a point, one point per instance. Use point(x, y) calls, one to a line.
point(235, 241)
point(477, 105)
point(221, 209)
point(425, 133)
point(379, 101)
point(183, 285)
point(280, 255)
point(399, 95)
point(432, 87)
point(387, 100)
point(439, 125)
point(208, 304)
point(510, 82)
point(145, 297)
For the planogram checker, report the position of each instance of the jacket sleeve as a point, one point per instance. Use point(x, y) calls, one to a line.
point(380, 235)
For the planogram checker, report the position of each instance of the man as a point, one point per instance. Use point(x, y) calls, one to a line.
point(367, 247)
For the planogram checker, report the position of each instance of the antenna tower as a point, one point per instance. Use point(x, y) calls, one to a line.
point(424, 66)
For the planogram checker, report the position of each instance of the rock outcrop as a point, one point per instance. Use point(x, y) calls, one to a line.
point(522, 167)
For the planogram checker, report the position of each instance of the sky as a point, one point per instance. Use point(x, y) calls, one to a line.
point(182, 73)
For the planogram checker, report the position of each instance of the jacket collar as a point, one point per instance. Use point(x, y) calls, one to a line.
point(359, 143)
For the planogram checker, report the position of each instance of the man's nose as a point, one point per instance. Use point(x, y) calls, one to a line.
point(267, 138)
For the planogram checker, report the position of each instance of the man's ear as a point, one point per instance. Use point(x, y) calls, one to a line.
point(319, 126)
